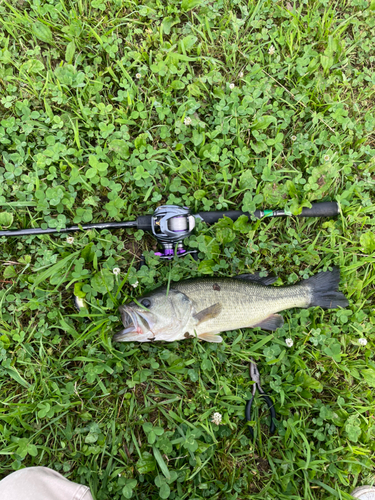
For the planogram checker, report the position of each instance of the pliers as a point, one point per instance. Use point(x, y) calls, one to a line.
point(255, 377)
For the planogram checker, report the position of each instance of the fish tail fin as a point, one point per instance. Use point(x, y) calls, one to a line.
point(324, 290)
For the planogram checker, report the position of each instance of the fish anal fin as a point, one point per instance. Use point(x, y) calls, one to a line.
point(255, 278)
point(208, 313)
point(273, 322)
point(210, 337)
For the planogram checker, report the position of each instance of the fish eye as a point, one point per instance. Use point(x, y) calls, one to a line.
point(146, 302)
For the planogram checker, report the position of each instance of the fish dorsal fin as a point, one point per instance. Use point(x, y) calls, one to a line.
point(262, 280)
point(210, 337)
point(208, 313)
point(272, 323)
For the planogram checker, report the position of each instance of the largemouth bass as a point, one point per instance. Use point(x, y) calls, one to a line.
point(204, 307)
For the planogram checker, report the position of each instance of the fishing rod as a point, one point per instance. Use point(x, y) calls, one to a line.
point(170, 224)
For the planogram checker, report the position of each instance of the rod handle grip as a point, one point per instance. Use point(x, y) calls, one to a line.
point(212, 217)
point(323, 209)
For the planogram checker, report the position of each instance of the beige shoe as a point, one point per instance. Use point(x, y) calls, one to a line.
point(364, 493)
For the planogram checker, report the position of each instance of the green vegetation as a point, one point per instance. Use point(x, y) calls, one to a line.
point(111, 108)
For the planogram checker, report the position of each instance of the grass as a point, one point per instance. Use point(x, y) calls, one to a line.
point(94, 98)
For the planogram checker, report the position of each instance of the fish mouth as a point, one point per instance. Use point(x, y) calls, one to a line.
point(135, 325)
point(128, 316)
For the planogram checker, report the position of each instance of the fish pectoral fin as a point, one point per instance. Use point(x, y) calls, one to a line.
point(210, 337)
point(255, 278)
point(272, 323)
point(208, 313)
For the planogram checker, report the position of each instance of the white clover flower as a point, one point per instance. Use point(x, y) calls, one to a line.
point(70, 240)
point(216, 418)
point(289, 342)
point(240, 74)
point(294, 138)
point(326, 157)
point(138, 75)
point(187, 120)
point(362, 341)
point(271, 50)
point(134, 285)
point(231, 86)
point(116, 271)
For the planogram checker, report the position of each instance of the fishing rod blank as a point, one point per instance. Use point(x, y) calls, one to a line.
point(51, 230)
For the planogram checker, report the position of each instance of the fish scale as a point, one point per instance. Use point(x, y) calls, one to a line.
point(244, 303)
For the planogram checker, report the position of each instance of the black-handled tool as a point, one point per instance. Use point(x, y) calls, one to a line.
point(170, 224)
point(255, 377)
